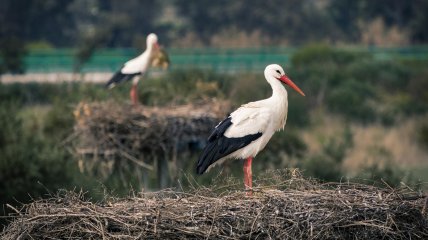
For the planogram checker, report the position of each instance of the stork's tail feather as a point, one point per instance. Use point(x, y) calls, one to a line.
point(206, 159)
point(119, 77)
point(220, 147)
point(201, 169)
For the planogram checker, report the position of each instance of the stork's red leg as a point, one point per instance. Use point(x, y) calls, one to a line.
point(134, 95)
point(248, 176)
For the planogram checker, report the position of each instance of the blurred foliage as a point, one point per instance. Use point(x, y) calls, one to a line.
point(48, 93)
point(321, 68)
point(282, 147)
point(111, 23)
point(249, 87)
point(39, 45)
point(30, 165)
point(88, 47)
point(184, 86)
point(423, 135)
point(389, 75)
point(359, 87)
point(298, 110)
point(417, 93)
point(59, 121)
point(321, 55)
point(350, 100)
point(33, 20)
point(327, 165)
point(12, 52)
point(62, 22)
point(387, 175)
point(403, 14)
point(33, 161)
point(210, 17)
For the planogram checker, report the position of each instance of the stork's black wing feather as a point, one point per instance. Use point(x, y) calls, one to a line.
point(119, 77)
point(219, 146)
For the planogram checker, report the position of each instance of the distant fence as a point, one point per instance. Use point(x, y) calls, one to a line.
point(223, 60)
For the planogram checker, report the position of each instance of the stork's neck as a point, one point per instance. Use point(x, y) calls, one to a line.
point(279, 93)
point(278, 102)
point(149, 47)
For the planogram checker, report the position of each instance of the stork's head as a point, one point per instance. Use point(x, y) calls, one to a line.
point(276, 71)
point(152, 40)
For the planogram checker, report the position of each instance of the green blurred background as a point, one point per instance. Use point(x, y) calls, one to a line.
point(362, 64)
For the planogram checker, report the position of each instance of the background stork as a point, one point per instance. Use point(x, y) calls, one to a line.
point(246, 131)
point(135, 67)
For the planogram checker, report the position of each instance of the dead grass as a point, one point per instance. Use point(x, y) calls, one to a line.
point(372, 143)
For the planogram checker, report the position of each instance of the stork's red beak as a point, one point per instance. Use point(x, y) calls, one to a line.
point(156, 45)
point(288, 81)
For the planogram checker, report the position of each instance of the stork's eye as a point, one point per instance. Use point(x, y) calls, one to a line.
point(278, 71)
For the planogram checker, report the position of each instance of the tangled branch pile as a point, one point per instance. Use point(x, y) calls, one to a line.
point(111, 136)
point(289, 208)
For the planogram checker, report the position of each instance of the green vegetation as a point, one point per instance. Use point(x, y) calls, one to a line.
point(30, 164)
point(357, 86)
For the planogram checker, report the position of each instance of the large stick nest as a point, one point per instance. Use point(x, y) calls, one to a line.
point(283, 207)
point(109, 136)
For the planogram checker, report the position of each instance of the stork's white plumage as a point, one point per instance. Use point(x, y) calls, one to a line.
point(246, 131)
point(135, 67)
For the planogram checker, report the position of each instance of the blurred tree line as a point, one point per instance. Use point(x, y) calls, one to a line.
point(89, 24)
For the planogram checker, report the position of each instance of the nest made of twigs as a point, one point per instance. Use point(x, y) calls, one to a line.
point(283, 207)
point(109, 135)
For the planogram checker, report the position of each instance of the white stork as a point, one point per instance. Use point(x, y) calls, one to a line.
point(135, 67)
point(246, 131)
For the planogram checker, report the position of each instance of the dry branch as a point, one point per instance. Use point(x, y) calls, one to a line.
point(283, 207)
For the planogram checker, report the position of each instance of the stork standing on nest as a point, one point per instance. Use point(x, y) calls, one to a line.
point(135, 67)
point(246, 131)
